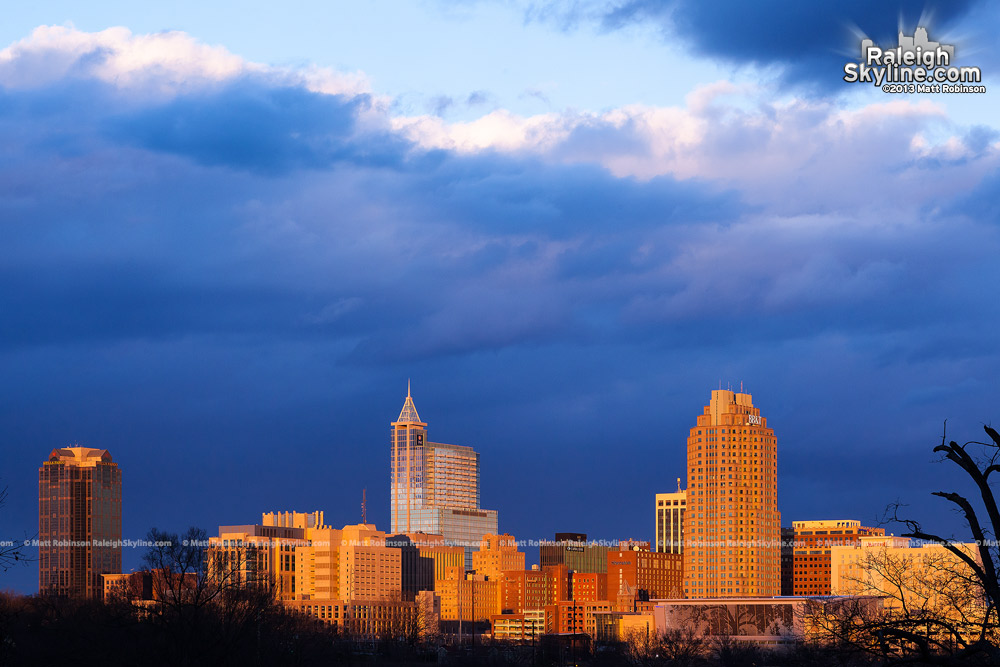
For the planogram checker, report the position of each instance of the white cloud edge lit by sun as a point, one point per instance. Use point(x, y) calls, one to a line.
point(773, 141)
point(165, 63)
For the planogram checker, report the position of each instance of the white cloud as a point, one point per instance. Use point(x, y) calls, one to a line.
point(499, 130)
point(163, 64)
point(794, 154)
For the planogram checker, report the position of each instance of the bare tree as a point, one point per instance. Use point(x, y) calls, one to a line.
point(207, 601)
point(943, 607)
point(11, 550)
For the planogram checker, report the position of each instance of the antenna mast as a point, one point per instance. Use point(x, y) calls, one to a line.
point(364, 506)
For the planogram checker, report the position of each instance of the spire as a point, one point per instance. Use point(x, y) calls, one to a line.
point(409, 411)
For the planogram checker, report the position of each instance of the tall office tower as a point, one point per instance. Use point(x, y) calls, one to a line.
point(434, 486)
point(670, 521)
point(732, 526)
point(79, 522)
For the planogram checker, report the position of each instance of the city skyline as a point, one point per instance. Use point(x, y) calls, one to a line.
point(231, 233)
point(726, 407)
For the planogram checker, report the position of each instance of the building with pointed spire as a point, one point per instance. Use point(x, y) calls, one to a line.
point(435, 487)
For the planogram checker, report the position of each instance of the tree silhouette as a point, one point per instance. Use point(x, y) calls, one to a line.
point(944, 609)
point(11, 550)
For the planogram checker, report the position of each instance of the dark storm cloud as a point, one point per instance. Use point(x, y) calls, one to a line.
point(809, 41)
point(195, 215)
point(249, 125)
point(507, 195)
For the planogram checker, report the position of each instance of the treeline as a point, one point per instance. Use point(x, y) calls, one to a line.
point(255, 631)
point(53, 631)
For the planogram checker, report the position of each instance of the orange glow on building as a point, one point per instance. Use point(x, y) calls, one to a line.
point(588, 586)
point(811, 563)
point(79, 522)
point(497, 554)
point(732, 527)
point(636, 574)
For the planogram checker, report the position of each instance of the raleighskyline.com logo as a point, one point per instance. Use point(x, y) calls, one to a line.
point(916, 65)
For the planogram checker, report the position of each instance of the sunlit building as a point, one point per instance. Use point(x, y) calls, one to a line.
point(497, 554)
point(573, 551)
point(79, 522)
point(257, 556)
point(467, 596)
point(523, 590)
point(518, 627)
point(637, 574)
point(670, 521)
point(435, 487)
point(587, 586)
point(929, 578)
point(732, 524)
point(434, 547)
point(571, 616)
point(811, 551)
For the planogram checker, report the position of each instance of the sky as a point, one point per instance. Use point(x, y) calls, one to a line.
point(231, 234)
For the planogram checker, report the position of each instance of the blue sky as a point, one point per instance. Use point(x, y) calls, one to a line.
point(231, 234)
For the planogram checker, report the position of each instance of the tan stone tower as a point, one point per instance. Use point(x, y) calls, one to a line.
point(732, 528)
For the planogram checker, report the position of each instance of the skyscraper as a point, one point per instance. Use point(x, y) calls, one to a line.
point(79, 522)
point(435, 487)
point(732, 525)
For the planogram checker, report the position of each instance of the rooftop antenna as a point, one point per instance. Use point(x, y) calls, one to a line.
point(741, 386)
point(678, 485)
point(408, 388)
point(364, 506)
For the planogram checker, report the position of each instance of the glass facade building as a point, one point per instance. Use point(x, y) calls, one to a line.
point(434, 487)
point(79, 522)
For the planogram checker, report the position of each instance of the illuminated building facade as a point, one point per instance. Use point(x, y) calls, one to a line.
point(929, 578)
point(523, 590)
point(732, 524)
point(573, 551)
point(467, 596)
point(518, 627)
point(434, 487)
point(811, 553)
point(670, 521)
point(497, 554)
point(79, 522)
point(588, 586)
point(257, 556)
point(640, 574)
